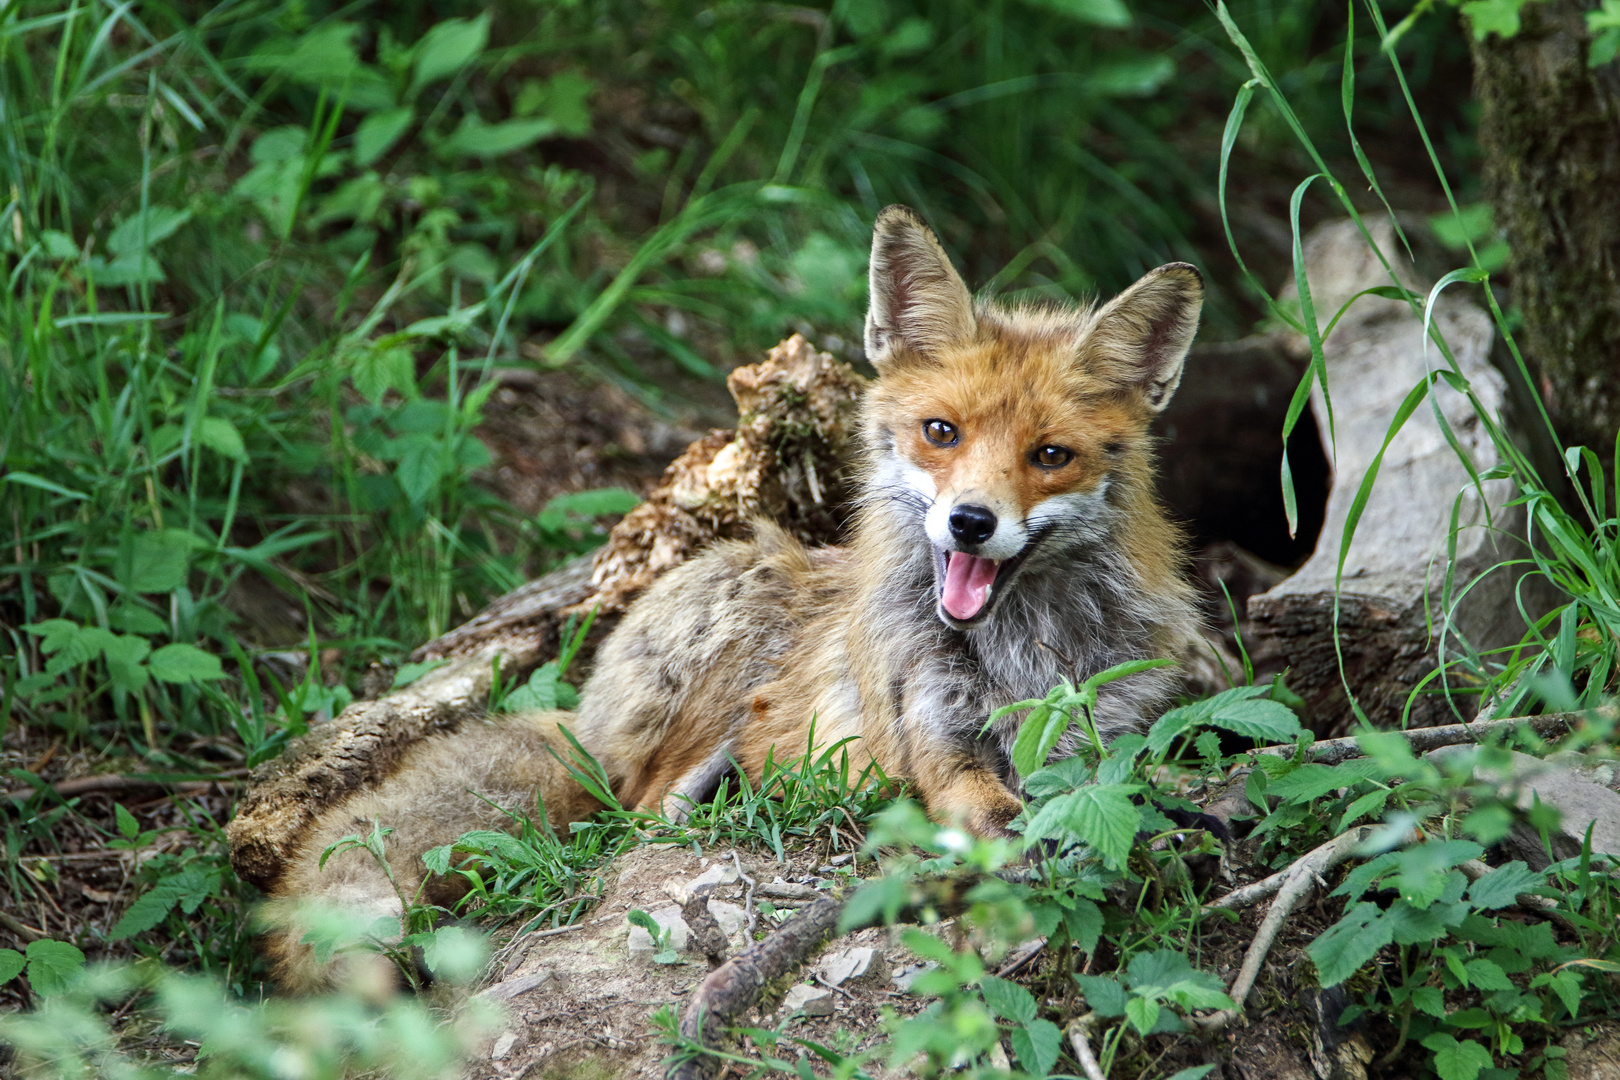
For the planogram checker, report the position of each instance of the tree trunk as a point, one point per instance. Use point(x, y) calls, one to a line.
point(1550, 127)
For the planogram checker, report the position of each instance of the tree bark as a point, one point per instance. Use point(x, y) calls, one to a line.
point(1550, 128)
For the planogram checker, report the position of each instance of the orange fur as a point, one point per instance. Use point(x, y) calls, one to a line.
point(729, 658)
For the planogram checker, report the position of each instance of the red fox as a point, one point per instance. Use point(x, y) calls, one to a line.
point(1007, 535)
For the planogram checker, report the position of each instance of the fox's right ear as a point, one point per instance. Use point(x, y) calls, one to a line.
point(919, 303)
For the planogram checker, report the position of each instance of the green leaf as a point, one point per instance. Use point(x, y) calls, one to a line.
point(1085, 923)
point(1142, 1013)
point(53, 966)
point(1486, 974)
point(455, 953)
point(11, 965)
point(1008, 1000)
point(380, 131)
point(182, 664)
point(1037, 736)
point(1349, 943)
point(1258, 719)
point(157, 561)
point(1312, 780)
point(1502, 887)
point(1109, 13)
point(1100, 815)
point(1037, 1044)
point(585, 506)
point(1370, 803)
point(379, 370)
point(1137, 77)
point(447, 48)
point(127, 825)
point(135, 620)
point(1455, 1060)
point(1492, 17)
point(220, 435)
point(1429, 999)
point(1105, 996)
point(409, 673)
point(474, 138)
point(158, 222)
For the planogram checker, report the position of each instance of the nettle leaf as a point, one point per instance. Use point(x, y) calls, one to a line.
point(1143, 1014)
point(1105, 996)
point(1258, 719)
point(184, 664)
point(437, 860)
point(1037, 737)
point(1371, 803)
point(1502, 887)
point(1037, 1044)
point(376, 371)
point(1455, 1060)
point(53, 966)
point(11, 965)
point(156, 561)
point(1566, 984)
point(1485, 974)
point(1100, 815)
point(1084, 923)
point(1312, 780)
point(1008, 1000)
point(127, 825)
point(1060, 776)
point(1424, 870)
point(1349, 943)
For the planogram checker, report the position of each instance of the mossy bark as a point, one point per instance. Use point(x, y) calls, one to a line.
point(1550, 128)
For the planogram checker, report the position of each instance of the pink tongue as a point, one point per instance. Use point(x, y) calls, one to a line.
point(967, 584)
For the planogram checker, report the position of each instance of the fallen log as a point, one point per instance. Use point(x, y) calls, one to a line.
point(1387, 611)
point(788, 460)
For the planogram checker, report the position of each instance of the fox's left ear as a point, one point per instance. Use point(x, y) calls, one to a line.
point(1141, 337)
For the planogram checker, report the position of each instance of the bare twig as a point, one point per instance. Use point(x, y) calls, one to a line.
point(1297, 883)
point(113, 782)
point(1422, 740)
point(1021, 956)
point(21, 929)
point(1081, 1042)
point(748, 900)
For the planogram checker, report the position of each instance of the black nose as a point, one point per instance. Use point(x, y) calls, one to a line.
point(972, 524)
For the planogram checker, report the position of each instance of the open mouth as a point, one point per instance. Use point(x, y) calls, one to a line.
point(969, 585)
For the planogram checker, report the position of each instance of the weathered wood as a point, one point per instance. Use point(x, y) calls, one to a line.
point(788, 460)
point(1394, 572)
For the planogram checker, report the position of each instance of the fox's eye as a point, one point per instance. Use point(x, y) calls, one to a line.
point(1053, 457)
point(940, 432)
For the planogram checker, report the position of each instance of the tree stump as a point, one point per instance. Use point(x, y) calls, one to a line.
point(1394, 572)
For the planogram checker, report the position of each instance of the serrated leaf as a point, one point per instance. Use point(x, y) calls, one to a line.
point(157, 561)
point(127, 825)
point(1008, 1000)
point(135, 620)
point(1455, 1060)
point(1313, 780)
point(1502, 887)
point(184, 664)
point(1486, 974)
point(1100, 815)
point(1037, 736)
point(1258, 719)
point(53, 966)
point(1143, 1013)
point(376, 371)
point(1037, 1045)
point(220, 435)
point(1085, 923)
point(1105, 996)
point(1429, 999)
point(11, 965)
point(1349, 943)
point(149, 910)
point(1371, 803)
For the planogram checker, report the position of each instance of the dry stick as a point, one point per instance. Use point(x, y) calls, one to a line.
point(1082, 1047)
point(739, 983)
point(1301, 878)
point(21, 929)
point(748, 900)
point(112, 782)
point(1422, 740)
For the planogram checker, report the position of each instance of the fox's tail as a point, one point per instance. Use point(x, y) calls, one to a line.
point(443, 787)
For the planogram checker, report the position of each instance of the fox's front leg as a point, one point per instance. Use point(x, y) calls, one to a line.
point(959, 788)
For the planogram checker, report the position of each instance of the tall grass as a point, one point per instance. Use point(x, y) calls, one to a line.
point(1567, 656)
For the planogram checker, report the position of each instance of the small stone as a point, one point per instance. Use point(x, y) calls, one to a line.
point(856, 966)
point(903, 978)
point(809, 1000)
point(642, 946)
point(503, 1045)
point(783, 890)
point(721, 873)
point(511, 988)
point(732, 919)
point(840, 860)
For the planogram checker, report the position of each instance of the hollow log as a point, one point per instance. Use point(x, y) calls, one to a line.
point(1391, 618)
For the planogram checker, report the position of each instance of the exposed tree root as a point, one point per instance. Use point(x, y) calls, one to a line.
point(1422, 740)
point(1298, 880)
point(1080, 1040)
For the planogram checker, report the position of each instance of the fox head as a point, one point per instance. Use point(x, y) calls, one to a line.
point(1012, 436)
